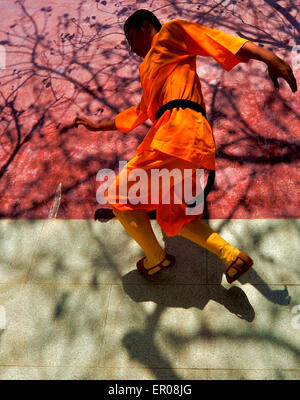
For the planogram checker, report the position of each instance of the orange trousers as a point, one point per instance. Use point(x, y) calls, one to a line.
point(138, 187)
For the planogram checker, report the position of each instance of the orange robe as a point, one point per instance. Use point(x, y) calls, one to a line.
point(167, 73)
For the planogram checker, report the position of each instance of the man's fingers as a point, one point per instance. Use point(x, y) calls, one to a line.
point(293, 82)
point(285, 72)
point(83, 121)
point(79, 121)
point(273, 77)
point(274, 80)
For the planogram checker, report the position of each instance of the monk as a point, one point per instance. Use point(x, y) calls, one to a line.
point(181, 137)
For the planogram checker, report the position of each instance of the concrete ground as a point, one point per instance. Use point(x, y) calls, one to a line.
point(73, 306)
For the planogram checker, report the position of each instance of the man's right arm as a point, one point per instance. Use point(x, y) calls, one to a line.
point(124, 122)
point(91, 126)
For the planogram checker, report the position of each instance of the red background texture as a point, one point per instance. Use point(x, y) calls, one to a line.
point(68, 58)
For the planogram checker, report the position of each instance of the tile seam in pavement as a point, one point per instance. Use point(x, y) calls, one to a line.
point(141, 284)
point(152, 368)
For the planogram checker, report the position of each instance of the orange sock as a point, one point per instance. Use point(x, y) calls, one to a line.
point(138, 226)
point(202, 234)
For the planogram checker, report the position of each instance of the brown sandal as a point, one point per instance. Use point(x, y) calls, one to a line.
point(145, 272)
point(240, 269)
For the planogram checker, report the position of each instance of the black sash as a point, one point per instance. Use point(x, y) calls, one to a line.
point(180, 103)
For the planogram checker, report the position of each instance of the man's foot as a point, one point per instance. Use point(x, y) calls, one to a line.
point(239, 266)
point(145, 269)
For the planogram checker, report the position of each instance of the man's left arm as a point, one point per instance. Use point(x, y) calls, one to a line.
point(277, 67)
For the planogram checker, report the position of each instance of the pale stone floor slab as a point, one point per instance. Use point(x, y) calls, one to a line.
point(73, 306)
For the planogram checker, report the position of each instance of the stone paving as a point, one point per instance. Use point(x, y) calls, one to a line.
point(73, 306)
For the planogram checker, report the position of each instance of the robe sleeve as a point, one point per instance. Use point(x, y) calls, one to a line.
point(196, 39)
point(130, 118)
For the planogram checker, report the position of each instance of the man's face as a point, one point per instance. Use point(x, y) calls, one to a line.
point(139, 40)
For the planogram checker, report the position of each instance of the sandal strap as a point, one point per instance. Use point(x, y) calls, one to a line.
point(236, 267)
point(241, 256)
point(240, 269)
point(144, 271)
point(163, 266)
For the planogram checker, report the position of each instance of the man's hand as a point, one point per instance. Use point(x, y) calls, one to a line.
point(278, 68)
point(86, 123)
point(91, 126)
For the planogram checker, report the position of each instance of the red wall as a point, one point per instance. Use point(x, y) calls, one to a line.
point(70, 58)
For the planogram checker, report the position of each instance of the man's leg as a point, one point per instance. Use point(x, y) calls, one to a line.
point(202, 234)
point(138, 226)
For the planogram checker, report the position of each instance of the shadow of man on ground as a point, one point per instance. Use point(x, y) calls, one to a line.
point(191, 254)
point(187, 285)
point(183, 287)
point(215, 269)
point(187, 295)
